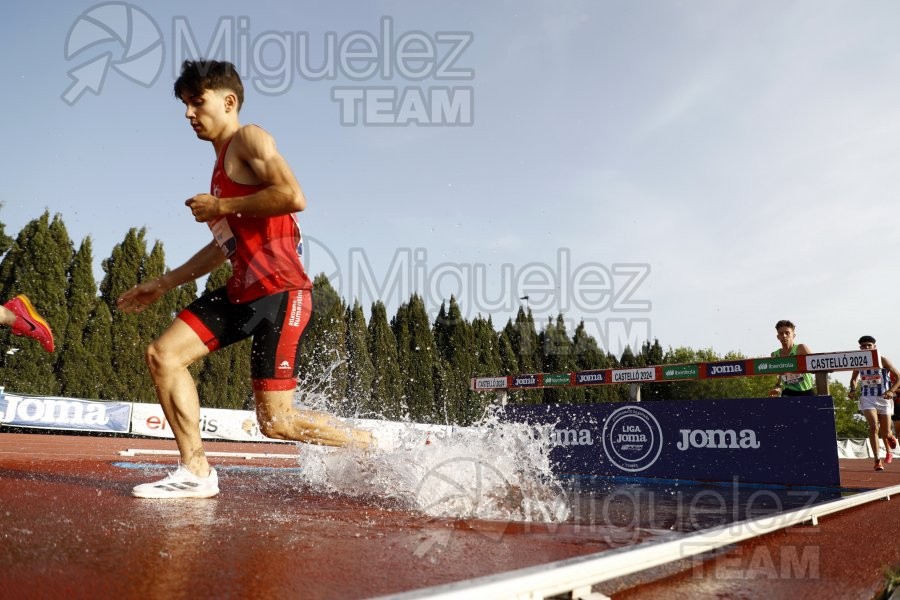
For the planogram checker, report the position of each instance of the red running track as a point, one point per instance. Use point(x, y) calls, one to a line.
point(70, 529)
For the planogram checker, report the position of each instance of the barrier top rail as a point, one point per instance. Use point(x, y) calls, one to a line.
point(774, 365)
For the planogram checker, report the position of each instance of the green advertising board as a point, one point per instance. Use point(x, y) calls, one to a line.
point(775, 365)
point(561, 379)
point(681, 371)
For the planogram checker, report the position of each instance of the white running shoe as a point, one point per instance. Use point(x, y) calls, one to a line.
point(180, 483)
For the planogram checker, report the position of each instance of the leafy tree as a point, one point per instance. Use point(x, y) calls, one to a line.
point(848, 422)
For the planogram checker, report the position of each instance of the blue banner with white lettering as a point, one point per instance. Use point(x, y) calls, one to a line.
point(64, 413)
point(787, 440)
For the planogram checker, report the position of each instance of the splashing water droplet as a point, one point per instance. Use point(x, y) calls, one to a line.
point(495, 471)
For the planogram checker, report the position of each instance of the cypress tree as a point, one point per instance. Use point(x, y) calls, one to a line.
point(124, 269)
point(509, 362)
point(400, 329)
point(58, 278)
point(76, 365)
point(385, 398)
point(360, 371)
point(527, 347)
point(652, 354)
point(488, 361)
point(459, 355)
point(5, 240)
point(557, 357)
point(628, 360)
point(440, 331)
point(36, 265)
point(158, 316)
point(444, 410)
point(421, 354)
point(324, 361)
point(588, 356)
point(98, 353)
point(223, 377)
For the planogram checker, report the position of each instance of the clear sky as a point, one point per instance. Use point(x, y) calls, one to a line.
point(687, 171)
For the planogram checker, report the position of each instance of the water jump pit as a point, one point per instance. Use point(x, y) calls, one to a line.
point(326, 523)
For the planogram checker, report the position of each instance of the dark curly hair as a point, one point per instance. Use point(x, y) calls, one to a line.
point(199, 76)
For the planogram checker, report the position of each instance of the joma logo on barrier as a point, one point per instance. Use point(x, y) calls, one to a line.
point(54, 411)
point(585, 377)
point(726, 369)
point(717, 438)
point(525, 381)
point(571, 437)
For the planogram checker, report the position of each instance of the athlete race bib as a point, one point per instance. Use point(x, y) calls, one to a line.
point(792, 378)
point(224, 236)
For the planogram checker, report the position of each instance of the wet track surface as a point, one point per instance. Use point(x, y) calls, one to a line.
point(69, 528)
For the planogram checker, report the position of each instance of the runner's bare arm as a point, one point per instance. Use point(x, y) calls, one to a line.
point(146, 293)
point(895, 375)
point(255, 148)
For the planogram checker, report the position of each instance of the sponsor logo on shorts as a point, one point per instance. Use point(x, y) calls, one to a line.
point(284, 365)
point(296, 310)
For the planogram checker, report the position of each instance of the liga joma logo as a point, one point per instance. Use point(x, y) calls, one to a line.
point(632, 438)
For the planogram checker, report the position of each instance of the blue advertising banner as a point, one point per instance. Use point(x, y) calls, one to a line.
point(788, 441)
point(64, 413)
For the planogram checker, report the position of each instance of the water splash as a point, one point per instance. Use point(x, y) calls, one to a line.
point(494, 471)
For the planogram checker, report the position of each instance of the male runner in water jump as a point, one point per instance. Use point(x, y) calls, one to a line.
point(250, 210)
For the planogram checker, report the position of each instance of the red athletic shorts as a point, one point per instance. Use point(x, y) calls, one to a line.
point(276, 323)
